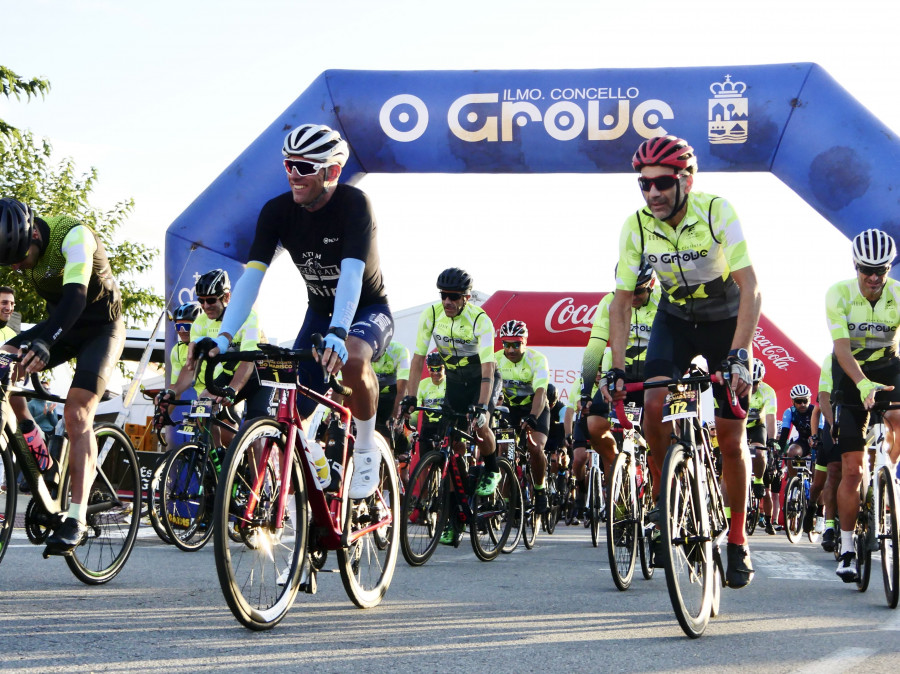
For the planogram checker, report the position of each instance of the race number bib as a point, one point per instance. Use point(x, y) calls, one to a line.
point(633, 413)
point(200, 409)
point(280, 374)
point(680, 405)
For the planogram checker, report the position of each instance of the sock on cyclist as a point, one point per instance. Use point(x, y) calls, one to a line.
point(490, 463)
point(847, 542)
point(365, 460)
point(78, 512)
point(829, 524)
point(365, 433)
point(736, 533)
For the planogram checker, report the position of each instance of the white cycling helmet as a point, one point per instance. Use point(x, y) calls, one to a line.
point(800, 391)
point(759, 370)
point(873, 248)
point(318, 142)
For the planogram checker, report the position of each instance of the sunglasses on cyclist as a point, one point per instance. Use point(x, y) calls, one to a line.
point(662, 183)
point(436, 369)
point(512, 345)
point(182, 327)
point(801, 401)
point(208, 300)
point(454, 297)
point(302, 167)
point(866, 270)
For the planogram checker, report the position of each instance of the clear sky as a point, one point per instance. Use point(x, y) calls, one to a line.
point(162, 96)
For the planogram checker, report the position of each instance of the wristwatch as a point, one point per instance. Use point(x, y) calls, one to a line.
point(341, 333)
point(740, 354)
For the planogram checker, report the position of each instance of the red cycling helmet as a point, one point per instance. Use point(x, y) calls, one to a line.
point(665, 151)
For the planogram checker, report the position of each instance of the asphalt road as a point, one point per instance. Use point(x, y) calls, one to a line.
point(553, 608)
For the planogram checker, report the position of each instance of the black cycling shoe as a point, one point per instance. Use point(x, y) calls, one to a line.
point(540, 501)
point(740, 570)
point(70, 534)
point(808, 520)
point(846, 569)
point(828, 540)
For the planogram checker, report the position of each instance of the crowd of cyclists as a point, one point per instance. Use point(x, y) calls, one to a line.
point(684, 288)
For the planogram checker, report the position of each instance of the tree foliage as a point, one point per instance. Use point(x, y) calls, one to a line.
point(28, 173)
point(13, 85)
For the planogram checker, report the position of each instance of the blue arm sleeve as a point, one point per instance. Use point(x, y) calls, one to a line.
point(346, 297)
point(242, 298)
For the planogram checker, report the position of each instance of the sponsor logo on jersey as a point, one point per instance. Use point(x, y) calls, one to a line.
point(871, 327)
point(677, 256)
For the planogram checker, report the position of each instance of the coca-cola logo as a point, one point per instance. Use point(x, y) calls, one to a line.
point(775, 354)
point(565, 316)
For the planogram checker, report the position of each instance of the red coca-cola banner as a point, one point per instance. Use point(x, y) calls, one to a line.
point(565, 320)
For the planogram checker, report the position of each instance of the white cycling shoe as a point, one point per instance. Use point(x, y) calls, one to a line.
point(365, 473)
point(820, 525)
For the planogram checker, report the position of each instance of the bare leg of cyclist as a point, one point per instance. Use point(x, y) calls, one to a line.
point(602, 438)
point(736, 476)
point(848, 509)
point(656, 433)
point(829, 496)
point(357, 373)
point(536, 443)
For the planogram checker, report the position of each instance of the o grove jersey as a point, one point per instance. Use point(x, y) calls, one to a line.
point(693, 261)
point(393, 365)
point(872, 330)
point(429, 395)
point(464, 342)
point(522, 379)
point(246, 339)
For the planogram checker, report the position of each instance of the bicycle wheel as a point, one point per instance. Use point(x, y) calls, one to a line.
point(793, 509)
point(863, 551)
point(260, 575)
point(372, 531)
point(188, 489)
point(621, 524)
point(595, 505)
point(889, 536)
point(517, 528)
point(752, 512)
point(425, 510)
point(687, 546)
point(114, 509)
point(647, 504)
point(8, 491)
point(153, 500)
point(529, 516)
point(493, 515)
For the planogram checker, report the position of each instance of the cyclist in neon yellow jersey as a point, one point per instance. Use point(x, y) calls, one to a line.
point(183, 317)
point(710, 306)
point(431, 393)
point(66, 263)
point(464, 336)
point(644, 304)
point(761, 429)
point(827, 475)
point(524, 374)
point(863, 316)
point(392, 372)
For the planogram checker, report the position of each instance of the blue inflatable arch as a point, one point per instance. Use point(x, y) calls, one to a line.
point(791, 119)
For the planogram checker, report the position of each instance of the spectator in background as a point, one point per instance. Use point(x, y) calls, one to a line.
point(44, 412)
point(7, 306)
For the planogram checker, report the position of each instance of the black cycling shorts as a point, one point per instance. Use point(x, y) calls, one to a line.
point(259, 398)
point(516, 414)
point(826, 452)
point(853, 423)
point(96, 350)
point(674, 343)
point(757, 435)
point(460, 393)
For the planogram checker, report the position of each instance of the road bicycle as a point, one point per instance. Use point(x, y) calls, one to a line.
point(796, 499)
point(276, 516)
point(877, 526)
point(594, 499)
point(441, 491)
point(626, 531)
point(693, 522)
point(753, 504)
point(114, 496)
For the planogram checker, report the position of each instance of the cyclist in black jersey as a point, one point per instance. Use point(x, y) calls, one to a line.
point(798, 417)
point(329, 231)
point(65, 261)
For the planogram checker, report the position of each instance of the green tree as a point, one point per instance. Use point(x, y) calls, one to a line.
point(13, 85)
point(29, 174)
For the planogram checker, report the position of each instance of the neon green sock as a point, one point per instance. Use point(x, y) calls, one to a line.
point(727, 512)
point(757, 480)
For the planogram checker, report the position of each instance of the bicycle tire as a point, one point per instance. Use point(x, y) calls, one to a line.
point(260, 575)
point(529, 516)
point(114, 509)
point(368, 561)
point(8, 496)
point(595, 505)
point(187, 497)
point(425, 510)
point(551, 517)
point(517, 528)
point(863, 552)
point(752, 513)
point(889, 537)
point(492, 515)
point(621, 524)
point(646, 503)
point(793, 509)
point(153, 502)
point(687, 546)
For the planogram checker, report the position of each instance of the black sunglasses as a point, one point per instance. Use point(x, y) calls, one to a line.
point(801, 401)
point(866, 270)
point(662, 183)
point(512, 345)
point(436, 369)
point(455, 297)
point(208, 300)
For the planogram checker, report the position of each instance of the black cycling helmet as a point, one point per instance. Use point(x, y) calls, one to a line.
point(213, 283)
point(187, 312)
point(16, 226)
point(645, 273)
point(456, 279)
point(434, 359)
point(552, 395)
